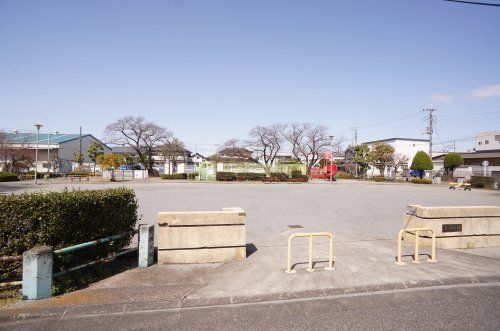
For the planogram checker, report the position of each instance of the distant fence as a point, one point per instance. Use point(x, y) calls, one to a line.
point(126, 174)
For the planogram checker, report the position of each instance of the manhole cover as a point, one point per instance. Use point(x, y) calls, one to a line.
point(295, 226)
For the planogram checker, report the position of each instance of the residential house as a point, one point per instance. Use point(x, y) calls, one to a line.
point(236, 159)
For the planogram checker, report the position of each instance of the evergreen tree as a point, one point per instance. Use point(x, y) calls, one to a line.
point(421, 162)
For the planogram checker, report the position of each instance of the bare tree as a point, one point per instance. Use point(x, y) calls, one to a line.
point(14, 156)
point(398, 161)
point(310, 142)
point(295, 135)
point(266, 142)
point(171, 151)
point(143, 136)
point(231, 143)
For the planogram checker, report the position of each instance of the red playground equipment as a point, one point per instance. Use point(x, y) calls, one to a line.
point(323, 172)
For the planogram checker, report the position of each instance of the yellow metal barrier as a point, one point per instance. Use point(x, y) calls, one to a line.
point(417, 230)
point(310, 235)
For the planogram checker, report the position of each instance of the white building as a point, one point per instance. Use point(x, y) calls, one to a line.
point(403, 146)
point(487, 141)
point(56, 152)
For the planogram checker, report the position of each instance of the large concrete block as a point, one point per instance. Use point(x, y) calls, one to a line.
point(202, 255)
point(454, 211)
point(455, 227)
point(201, 237)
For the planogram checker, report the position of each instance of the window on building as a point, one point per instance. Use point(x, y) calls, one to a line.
point(480, 143)
point(486, 142)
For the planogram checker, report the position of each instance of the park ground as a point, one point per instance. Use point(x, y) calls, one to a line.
point(364, 218)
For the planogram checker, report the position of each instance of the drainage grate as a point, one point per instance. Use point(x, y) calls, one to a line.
point(295, 226)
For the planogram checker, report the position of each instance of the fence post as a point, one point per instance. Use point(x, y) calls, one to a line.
point(37, 273)
point(146, 245)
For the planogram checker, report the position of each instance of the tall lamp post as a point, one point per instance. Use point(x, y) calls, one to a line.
point(38, 126)
point(331, 159)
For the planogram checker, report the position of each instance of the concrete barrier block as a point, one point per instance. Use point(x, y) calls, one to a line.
point(457, 211)
point(202, 255)
point(202, 237)
point(455, 227)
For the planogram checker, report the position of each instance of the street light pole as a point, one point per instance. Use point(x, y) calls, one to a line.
point(38, 126)
point(331, 159)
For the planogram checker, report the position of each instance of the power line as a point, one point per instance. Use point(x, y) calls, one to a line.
point(476, 3)
point(399, 118)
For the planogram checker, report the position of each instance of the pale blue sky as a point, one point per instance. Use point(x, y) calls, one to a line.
point(210, 70)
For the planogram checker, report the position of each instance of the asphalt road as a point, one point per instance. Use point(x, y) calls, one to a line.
point(465, 307)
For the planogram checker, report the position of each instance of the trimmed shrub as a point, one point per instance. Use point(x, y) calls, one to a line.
point(225, 176)
point(279, 177)
point(174, 176)
point(379, 179)
point(421, 161)
point(344, 175)
point(421, 181)
point(301, 179)
point(482, 182)
point(296, 174)
point(61, 219)
point(452, 160)
point(8, 177)
point(250, 176)
point(193, 175)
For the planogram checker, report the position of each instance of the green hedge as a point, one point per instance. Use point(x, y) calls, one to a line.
point(193, 175)
point(174, 176)
point(8, 177)
point(225, 176)
point(344, 175)
point(379, 179)
point(61, 219)
point(421, 181)
point(249, 176)
point(283, 179)
point(482, 182)
point(279, 177)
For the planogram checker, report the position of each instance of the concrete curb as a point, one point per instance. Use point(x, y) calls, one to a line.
point(11, 315)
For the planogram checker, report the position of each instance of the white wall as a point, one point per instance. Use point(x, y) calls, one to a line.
point(405, 147)
point(487, 141)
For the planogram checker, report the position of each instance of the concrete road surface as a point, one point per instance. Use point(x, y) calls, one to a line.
point(460, 307)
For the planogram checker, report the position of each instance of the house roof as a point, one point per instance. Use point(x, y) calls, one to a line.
point(235, 151)
point(45, 138)
point(123, 150)
point(393, 139)
point(473, 155)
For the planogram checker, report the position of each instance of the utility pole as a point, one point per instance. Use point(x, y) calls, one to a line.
point(430, 128)
point(454, 146)
point(355, 144)
point(331, 159)
point(80, 141)
point(38, 126)
point(355, 135)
